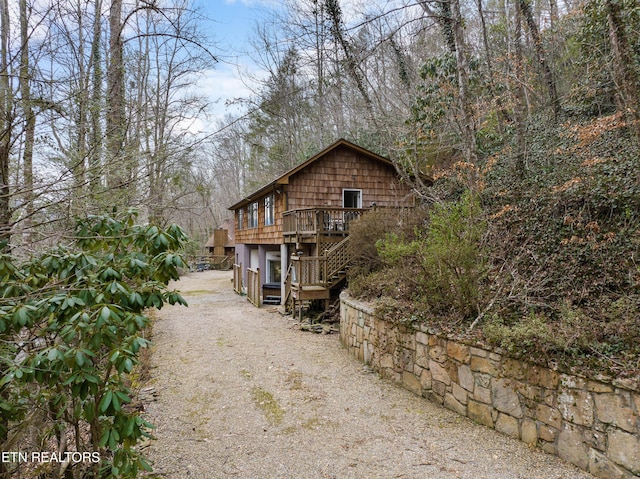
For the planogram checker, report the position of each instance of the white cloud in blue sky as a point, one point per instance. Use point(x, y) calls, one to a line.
point(231, 24)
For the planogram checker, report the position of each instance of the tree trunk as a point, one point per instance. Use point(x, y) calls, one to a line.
point(335, 15)
point(626, 77)
point(444, 18)
point(553, 14)
point(6, 127)
point(541, 56)
point(468, 120)
point(519, 98)
point(115, 134)
point(95, 148)
point(78, 151)
point(5, 211)
point(503, 114)
point(30, 122)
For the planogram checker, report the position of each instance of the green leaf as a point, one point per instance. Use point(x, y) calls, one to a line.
point(131, 423)
point(53, 354)
point(141, 321)
point(123, 396)
point(136, 299)
point(128, 365)
point(89, 410)
point(70, 379)
point(115, 402)
point(105, 314)
point(80, 358)
point(21, 316)
point(145, 465)
point(105, 437)
point(152, 232)
point(110, 273)
point(105, 402)
point(175, 298)
point(114, 437)
point(91, 378)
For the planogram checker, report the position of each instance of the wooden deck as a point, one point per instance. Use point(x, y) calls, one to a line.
point(313, 277)
point(308, 225)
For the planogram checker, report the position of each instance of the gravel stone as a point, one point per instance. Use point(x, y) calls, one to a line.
point(242, 392)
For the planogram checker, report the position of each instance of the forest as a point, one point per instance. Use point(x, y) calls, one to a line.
point(516, 123)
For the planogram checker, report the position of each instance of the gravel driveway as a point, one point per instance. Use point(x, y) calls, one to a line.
point(241, 392)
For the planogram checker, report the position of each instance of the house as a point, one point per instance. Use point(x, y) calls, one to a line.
point(291, 235)
point(220, 247)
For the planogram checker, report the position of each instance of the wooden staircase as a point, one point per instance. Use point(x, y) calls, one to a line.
point(313, 278)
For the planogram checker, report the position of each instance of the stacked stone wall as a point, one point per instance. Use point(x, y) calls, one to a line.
point(592, 424)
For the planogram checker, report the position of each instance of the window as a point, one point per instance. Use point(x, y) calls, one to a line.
point(274, 268)
point(352, 198)
point(241, 218)
point(268, 210)
point(252, 217)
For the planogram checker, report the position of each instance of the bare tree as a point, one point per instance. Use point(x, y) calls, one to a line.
point(115, 122)
point(29, 116)
point(6, 124)
point(524, 9)
point(464, 98)
point(351, 62)
point(626, 76)
point(169, 57)
point(519, 94)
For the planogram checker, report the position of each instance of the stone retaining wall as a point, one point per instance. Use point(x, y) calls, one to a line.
point(594, 425)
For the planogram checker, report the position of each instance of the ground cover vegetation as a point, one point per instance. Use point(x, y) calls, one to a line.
point(544, 267)
point(528, 238)
point(73, 325)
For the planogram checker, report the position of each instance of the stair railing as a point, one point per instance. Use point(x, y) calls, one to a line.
point(338, 258)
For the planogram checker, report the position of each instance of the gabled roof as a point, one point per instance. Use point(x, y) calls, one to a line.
point(284, 179)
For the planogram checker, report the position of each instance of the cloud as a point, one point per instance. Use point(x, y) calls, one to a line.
point(224, 85)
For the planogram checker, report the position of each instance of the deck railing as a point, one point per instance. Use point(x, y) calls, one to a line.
point(220, 262)
point(319, 270)
point(237, 278)
point(253, 286)
point(319, 220)
point(338, 258)
point(308, 270)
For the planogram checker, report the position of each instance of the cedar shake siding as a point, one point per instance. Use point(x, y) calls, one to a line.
point(315, 203)
point(322, 182)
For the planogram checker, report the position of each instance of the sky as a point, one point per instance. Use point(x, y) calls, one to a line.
point(231, 25)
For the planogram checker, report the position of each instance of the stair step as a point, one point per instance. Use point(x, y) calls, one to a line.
point(270, 299)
